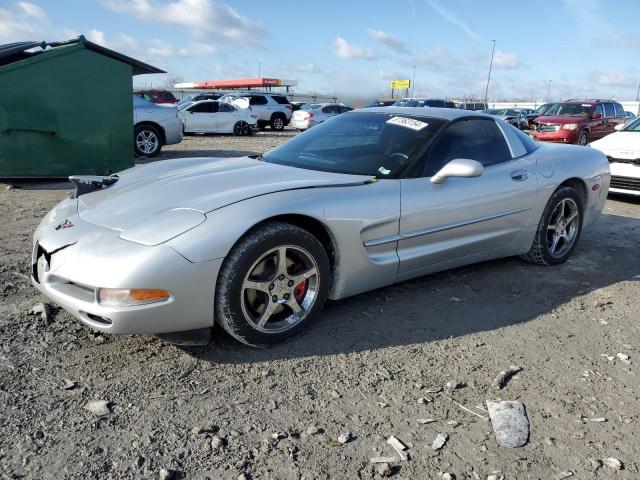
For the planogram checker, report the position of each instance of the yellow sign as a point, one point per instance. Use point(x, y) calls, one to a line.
point(400, 83)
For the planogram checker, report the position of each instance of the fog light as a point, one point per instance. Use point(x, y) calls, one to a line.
point(126, 297)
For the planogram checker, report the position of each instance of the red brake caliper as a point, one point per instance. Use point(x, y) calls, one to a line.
point(301, 290)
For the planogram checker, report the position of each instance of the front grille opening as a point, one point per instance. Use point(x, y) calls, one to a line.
point(98, 319)
point(625, 183)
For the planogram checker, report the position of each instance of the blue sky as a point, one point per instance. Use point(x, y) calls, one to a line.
point(586, 47)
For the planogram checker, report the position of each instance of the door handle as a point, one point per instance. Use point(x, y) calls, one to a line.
point(519, 175)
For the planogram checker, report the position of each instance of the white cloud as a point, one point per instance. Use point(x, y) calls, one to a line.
point(16, 26)
point(309, 68)
point(203, 19)
point(389, 39)
point(505, 60)
point(613, 79)
point(33, 10)
point(348, 51)
point(97, 36)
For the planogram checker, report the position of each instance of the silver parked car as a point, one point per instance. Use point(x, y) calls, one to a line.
point(257, 244)
point(154, 126)
point(314, 113)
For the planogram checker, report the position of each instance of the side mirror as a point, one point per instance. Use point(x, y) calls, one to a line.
point(619, 127)
point(596, 115)
point(459, 167)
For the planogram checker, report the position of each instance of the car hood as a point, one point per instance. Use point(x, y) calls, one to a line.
point(620, 144)
point(197, 184)
point(558, 120)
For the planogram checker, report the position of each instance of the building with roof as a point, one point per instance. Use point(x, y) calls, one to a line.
point(66, 108)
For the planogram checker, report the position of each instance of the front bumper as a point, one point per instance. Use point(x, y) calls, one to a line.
point(70, 268)
point(625, 178)
point(560, 136)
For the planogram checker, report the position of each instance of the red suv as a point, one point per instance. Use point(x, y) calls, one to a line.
point(157, 96)
point(578, 121)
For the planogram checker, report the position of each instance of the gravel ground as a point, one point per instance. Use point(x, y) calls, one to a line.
point(374, 365)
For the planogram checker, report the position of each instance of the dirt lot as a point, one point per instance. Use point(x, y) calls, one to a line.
point(226, 410)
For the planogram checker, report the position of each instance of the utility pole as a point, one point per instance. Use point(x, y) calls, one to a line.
point(259, 68)
point(486, 90)
point(638, 99)
point(413, 81)
point(548, 91)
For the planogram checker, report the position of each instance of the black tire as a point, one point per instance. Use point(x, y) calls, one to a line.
point(230, 297)
point(540, 251)
point(150, 147)
point(277, 122)
point(242, 129)
point(583, 139)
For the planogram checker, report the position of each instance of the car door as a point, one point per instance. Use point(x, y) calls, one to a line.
point(226, 118)
point(199, 117)
point(597, 126)
point(466, 216)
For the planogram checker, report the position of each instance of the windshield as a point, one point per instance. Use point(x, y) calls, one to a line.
point(375, 144)
point(568, 110)
point(633, 126)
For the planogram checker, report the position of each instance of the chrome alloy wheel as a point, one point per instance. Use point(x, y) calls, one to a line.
point(563, 227)
point(278, 123)
point(147, 142)
point(280, 289)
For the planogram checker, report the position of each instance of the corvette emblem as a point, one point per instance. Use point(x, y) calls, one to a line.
point(65, 224)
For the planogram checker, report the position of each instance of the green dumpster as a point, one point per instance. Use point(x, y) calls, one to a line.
point(66, 108)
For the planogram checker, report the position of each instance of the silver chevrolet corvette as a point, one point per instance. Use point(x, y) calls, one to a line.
point(257, 244)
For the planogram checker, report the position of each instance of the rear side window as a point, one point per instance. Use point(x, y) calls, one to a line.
point(434, 103)
point(280, 99)
point(609, 110)
point(258, 100)
point(477, 139)
point(619, 110)
point(225, 107)
point(345, 109)
point(529, 144)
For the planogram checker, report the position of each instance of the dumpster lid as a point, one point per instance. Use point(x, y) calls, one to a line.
point(13, 52)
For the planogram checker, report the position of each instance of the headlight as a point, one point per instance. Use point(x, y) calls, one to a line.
point(570, 126)
point(129, 297)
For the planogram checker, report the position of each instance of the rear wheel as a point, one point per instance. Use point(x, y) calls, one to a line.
point(559, 228)
point(272, 284)
point(242, 128)
point(147, 141)
point(277, 122)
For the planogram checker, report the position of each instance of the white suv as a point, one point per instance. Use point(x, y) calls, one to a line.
point(271, 108)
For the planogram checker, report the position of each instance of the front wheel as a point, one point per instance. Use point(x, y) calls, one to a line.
point(583, 139)
point(559, 228)
point(272, 284)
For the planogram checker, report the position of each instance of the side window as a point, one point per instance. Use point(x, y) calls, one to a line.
point(609, 110)
point(619, 110)
point(327, 109)
point(204, 107)
point(345, 109)
point(477, 139)
point(225, 107)
point(258, 100)
point(280, 99)
point(599, 109)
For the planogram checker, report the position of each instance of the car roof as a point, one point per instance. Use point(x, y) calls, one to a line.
point(443, 113)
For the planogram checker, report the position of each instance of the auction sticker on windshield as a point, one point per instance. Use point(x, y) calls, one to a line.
point(411, 123)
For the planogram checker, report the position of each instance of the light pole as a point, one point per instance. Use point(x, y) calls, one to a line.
point(548, 90)
point(638, 98)
point(259, 68)
point(413, 81)
point(486, 90)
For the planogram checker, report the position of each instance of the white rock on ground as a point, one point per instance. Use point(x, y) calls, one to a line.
point(99, 408)
point(510, 423)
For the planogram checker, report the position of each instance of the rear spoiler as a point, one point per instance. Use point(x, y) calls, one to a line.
point(83, 184)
